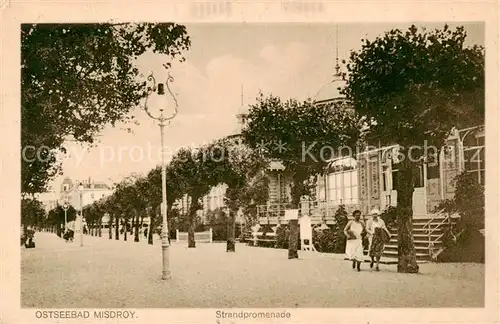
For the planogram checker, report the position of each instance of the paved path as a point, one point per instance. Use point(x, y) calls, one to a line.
point(108, 273)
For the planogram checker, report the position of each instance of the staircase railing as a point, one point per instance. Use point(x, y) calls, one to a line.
point(430, 227)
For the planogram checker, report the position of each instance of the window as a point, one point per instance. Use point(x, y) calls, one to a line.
point(433, 161)
point(474, 156)
point(342, 184)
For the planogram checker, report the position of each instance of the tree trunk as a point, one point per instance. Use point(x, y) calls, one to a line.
point(117, 228)
point(407, 261)
point(125, 229)
point(110, 233)
point(150, 231)
point(231, 245)
point(151, 221)
point(141, 227)
point(136, 234)
point(293, 239)
point(100, 226)
point(298, 190)
point(191, 226)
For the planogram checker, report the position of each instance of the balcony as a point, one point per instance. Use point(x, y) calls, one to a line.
point(318, 211)
point(272, 214)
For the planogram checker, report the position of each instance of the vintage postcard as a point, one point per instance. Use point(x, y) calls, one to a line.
point(262, 162)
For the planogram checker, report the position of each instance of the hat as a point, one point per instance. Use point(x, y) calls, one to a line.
point(375, 211)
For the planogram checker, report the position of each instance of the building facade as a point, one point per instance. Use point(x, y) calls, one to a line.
point(50, 199)
point(91, 192)
point(369, 178)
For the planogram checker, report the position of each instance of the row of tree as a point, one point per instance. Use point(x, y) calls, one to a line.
point(404, 87)
point(191, 172)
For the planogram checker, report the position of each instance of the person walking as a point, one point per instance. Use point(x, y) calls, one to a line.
point(379, 235)
point(354, 246)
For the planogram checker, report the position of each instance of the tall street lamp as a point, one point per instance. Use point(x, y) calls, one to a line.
point(163, 120)
point(80, 192)
point(65, 207)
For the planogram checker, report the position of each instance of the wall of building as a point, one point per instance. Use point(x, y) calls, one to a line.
point(372, 180)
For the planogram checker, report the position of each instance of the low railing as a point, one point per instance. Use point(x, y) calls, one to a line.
point(315, 209)
point(272, 212)
point(325, 209)
point(199, 237)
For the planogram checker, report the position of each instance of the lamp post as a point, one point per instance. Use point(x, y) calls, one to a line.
point(162, 122)
point(65, 207)
point(80, 192)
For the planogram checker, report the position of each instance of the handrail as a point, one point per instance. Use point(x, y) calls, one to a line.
point(431, 230)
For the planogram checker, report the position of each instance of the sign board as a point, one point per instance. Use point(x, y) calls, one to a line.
point(305, 228)
point(291, 214)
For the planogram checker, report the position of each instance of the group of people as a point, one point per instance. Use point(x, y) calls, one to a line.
point(28, 237)
point(69, 235)
point(375, 231)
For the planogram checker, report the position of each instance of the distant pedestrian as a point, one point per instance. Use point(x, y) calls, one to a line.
point(379, 235)
point(146, 232)
point(354, 246)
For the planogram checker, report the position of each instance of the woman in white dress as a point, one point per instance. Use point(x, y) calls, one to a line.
point(354, 245)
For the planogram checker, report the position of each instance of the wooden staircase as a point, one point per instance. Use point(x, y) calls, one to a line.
point(427, 238)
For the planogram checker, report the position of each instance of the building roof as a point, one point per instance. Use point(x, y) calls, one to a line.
point(331, 91)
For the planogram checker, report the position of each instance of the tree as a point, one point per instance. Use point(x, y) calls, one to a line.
point(77, 78)
point(113, 208)
point(303, 136)
point(154, 194)
point(255, 193)
point(414, 87)
point(107, 208)
point(239, 166)
point(56, 215)
point(196, 171)
point(32, 213)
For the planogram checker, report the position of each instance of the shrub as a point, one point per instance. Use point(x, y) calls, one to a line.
point(332, 239)
point(464, 241)
point(339, 239)
point(324, 240)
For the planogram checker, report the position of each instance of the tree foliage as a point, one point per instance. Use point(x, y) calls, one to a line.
point(301, 135)
point(196, 171)
point(414, 87)
point(239, 166)
point(417, 85)
point(468, 202)
point(32, 212)
point(77, 78)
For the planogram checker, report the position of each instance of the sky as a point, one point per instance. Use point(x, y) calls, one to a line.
point(288, 60)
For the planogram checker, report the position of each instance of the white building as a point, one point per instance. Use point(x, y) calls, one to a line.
point(92, 191)
point(49, 199)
